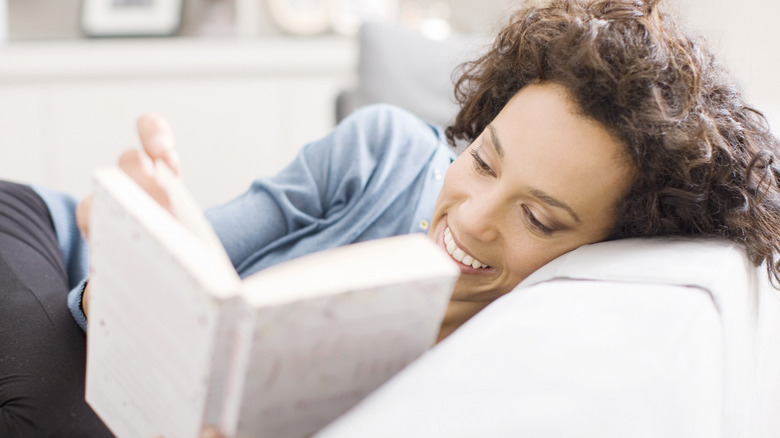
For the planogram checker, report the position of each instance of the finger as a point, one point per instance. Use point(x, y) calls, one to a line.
point(211, 432)
point(157, 140)
point(82, 216)
point(140, 168)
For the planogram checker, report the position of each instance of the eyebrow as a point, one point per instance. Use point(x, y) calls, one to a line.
point(495, 142)
point(547, 199)
point(542, 196)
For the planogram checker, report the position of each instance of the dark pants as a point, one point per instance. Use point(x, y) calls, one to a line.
point(42, 350)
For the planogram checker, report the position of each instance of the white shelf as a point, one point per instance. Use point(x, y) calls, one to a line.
point(158, 57)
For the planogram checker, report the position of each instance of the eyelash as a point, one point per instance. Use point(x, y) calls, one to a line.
point(480, 165)
point(484, 168)
point(535, 222)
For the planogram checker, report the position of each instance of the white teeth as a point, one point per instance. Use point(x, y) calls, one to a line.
point(458, 254)
point(451, 246)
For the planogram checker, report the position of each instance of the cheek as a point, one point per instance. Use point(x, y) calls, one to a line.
point(455, 184)
point(525, 258)
point(525, 254)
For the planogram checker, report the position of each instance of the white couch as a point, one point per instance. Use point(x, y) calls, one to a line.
point(632, 338)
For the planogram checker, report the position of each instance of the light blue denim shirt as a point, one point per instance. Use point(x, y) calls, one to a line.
point(377, 174)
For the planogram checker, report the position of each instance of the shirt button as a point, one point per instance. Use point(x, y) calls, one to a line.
point(436, 173)
point(423, 224)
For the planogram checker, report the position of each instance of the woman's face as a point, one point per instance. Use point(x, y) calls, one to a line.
point(540, 181)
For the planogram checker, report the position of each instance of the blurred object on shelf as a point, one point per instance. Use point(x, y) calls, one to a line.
point(60, 19)
point(100, 18)
point(346, 16)
point(432, 21)
point(300, 17)
point(226, 18)
point(43, 19)
point(217, 18)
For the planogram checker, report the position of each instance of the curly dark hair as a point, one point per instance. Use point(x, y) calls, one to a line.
point(705, 161)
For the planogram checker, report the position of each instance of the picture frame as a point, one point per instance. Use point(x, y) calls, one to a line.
point(103, 18)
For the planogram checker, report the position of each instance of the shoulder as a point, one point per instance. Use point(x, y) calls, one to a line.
point(387, 129)
point(372, 138)
point(384, 112)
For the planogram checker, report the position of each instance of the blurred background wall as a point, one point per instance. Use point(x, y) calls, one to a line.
point(236, 81)
point(746, 32)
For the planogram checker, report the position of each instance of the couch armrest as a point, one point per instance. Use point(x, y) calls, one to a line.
point(559, 359)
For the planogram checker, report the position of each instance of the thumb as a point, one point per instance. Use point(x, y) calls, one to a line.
point(157, 140)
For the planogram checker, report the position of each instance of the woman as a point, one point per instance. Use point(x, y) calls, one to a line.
point(587, 121)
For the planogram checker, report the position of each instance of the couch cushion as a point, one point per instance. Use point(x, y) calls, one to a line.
point(404, 68)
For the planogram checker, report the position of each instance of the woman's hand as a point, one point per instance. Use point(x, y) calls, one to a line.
point(208, 432)
point(157, 144)
point(211, 432)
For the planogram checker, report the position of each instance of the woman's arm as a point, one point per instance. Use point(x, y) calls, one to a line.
point(73, 247)
point(319, 200)
point(157, 145)
point(333, 193)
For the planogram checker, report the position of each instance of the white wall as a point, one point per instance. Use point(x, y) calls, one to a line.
point(746, 35)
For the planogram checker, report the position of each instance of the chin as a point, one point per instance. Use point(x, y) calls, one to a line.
point(466, 289)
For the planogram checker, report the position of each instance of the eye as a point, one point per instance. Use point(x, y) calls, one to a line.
point(536, 223)
point(480, 165)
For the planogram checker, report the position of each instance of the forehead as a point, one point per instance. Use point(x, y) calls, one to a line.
point(550, 146)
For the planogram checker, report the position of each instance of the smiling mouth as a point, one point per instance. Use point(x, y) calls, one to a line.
point(458, 254)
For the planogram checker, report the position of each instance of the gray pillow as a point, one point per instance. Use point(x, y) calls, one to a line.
point(404, 68)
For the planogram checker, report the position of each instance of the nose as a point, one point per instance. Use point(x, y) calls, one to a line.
point(481, 217)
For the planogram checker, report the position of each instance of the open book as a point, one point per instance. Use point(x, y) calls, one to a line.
point(177, 340)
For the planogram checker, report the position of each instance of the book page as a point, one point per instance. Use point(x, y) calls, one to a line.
point(155, 293)
point(313, 360)
point(231, 350)
point(314, 357)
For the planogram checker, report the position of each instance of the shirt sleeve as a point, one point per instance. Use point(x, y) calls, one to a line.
point(326, 179)
point(74, 248)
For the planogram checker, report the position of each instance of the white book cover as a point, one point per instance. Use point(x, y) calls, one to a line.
point(176, 340)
